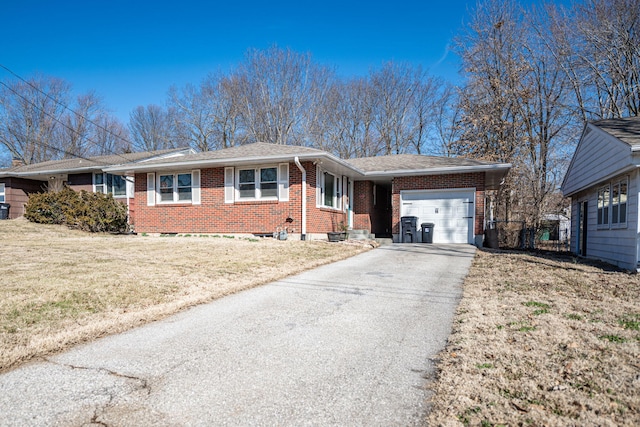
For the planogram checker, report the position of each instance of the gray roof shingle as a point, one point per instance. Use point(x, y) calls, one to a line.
point(97, 162)
point(399, 162)
point(255, 150)
point(626, 129)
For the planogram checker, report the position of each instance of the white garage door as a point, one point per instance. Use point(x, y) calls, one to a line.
point(451, 212)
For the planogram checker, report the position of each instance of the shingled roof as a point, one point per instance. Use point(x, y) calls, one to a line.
point(399, 162)
point(89, 163)
point(256, 150)
point(626, 130)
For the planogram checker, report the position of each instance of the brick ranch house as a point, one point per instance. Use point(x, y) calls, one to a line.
point(20, 180)
point(261, 188)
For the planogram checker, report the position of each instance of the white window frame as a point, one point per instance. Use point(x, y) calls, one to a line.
point(3, 196)
point(257, 190)
point(175, 199)
point(603, 206)
point(336, 199)
point(616, 204)
point(104, 187)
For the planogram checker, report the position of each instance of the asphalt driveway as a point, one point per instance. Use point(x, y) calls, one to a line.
point(346, 344)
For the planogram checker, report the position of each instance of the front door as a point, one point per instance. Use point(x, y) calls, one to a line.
point(583, 213)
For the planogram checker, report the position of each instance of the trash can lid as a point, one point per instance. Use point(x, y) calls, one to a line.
point(427, 224)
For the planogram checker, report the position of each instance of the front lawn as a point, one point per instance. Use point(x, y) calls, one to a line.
point(542, 340)
point(60, 287)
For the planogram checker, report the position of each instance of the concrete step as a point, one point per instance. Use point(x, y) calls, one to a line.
point(359, 235)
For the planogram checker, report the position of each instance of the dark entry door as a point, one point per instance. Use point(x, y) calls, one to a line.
point(583, 213)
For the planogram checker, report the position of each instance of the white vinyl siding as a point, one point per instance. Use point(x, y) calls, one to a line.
point(612, 156)
point(618, 244)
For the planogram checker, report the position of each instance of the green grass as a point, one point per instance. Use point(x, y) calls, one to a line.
point(614, 338)
point(631, 321)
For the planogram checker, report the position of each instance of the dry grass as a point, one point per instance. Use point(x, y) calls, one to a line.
point(542, 340)
point(61, 287)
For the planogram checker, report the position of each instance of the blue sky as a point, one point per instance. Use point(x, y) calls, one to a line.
point(131, 52)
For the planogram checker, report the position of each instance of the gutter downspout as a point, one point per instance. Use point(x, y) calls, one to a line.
point(303, 235)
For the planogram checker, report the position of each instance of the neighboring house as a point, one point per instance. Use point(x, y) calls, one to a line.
point(261, 188)
point(19, 181)
point(603, 183)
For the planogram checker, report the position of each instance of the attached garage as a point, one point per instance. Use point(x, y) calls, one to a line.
point(452, 212)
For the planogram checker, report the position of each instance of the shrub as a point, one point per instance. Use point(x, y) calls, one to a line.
point(94, 212)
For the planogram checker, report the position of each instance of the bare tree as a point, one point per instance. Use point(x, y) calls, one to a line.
point(30, 112)
point(77, 130)
point(394, 87)
point(276, 89)
point(152, 128)
point(597, 42)
point(111, 136)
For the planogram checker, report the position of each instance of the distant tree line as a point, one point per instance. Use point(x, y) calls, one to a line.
point(531, 77)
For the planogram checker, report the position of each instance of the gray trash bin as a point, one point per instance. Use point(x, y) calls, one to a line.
point(427, 232)
point(409, 229)
point(4, 210)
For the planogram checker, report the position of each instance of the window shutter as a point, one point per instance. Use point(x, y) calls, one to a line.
point(195, 187)
point(318, 186)
point(151, 189)
point(283, 182)
point(345, 193)
point(131, 187)
point(229, 190)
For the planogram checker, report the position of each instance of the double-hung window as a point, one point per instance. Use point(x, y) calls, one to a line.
point(107, 183)
point(2, 192)
point(175, 187)
point(258, 183)
point(604, 194)
point(612, 204)
point(329, 190)
point(619, 191)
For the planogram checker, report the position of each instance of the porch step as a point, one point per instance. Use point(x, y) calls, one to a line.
point(359, 235)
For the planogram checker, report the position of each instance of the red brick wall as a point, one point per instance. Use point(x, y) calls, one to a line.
point(440, 182)
point(362, 205)
point(213, 215)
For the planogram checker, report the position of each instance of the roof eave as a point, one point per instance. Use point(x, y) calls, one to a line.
point(591, 184)
point(441, 170)
point(247, 160)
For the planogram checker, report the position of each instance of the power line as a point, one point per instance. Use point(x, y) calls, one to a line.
point(130, 144)
point(43, 144)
